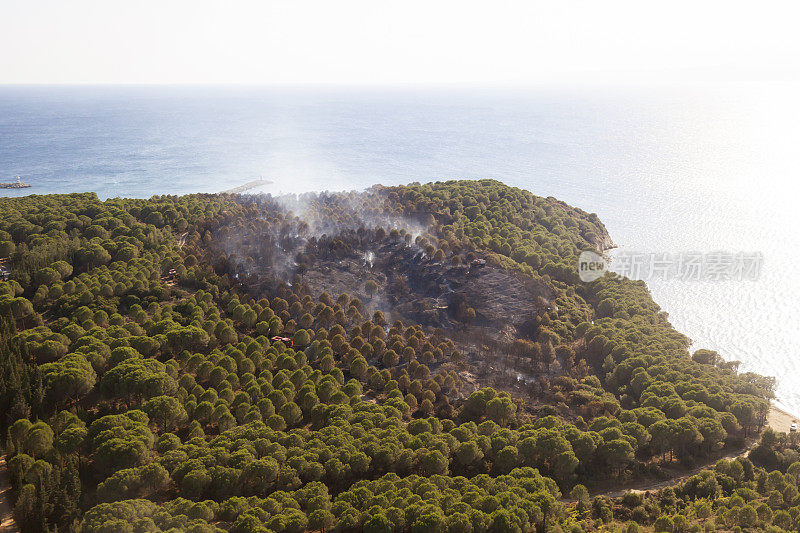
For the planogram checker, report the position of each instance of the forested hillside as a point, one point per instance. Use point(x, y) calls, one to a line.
point(419, 358)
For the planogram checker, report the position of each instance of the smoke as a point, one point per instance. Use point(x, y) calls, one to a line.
point(288, 227)
point(331, 213)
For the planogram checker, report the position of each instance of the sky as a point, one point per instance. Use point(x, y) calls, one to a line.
point(395, 42)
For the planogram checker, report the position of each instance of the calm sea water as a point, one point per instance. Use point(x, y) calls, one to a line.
point(667, 170)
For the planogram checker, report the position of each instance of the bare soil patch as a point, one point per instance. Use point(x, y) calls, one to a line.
point(7, 523)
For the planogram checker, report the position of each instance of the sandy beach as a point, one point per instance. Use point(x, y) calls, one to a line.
point(780, 420)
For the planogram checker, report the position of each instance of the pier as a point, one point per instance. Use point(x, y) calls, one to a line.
point(247, 186)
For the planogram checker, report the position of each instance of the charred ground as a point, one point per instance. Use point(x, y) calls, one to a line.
point(393, 265)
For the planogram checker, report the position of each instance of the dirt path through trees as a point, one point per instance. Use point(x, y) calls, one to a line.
point(778, 419)
point(7, 523)
point(650, 485)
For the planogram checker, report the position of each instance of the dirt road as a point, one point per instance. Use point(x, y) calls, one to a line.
point(7, 523)
point(647, 486)
point(777, 419)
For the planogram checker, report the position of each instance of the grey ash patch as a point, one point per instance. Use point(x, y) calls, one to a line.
point(412, 287)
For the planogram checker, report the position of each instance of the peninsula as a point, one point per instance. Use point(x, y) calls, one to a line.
point(398, 359)
point(18, 184)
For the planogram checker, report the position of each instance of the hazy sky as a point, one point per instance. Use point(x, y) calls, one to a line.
point(408, 41)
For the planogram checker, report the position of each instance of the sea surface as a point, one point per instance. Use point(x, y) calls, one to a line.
point(668, 170)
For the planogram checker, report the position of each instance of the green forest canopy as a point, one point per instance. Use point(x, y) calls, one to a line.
point(132, 403)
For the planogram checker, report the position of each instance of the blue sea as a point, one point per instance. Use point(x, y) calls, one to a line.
point(668, 169)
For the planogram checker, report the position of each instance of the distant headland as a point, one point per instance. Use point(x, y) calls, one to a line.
point(14, 184)
point(247, 186)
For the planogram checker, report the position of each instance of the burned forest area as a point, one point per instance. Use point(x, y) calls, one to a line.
point(392, 265)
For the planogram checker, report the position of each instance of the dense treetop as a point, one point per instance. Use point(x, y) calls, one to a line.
point(166, 364)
